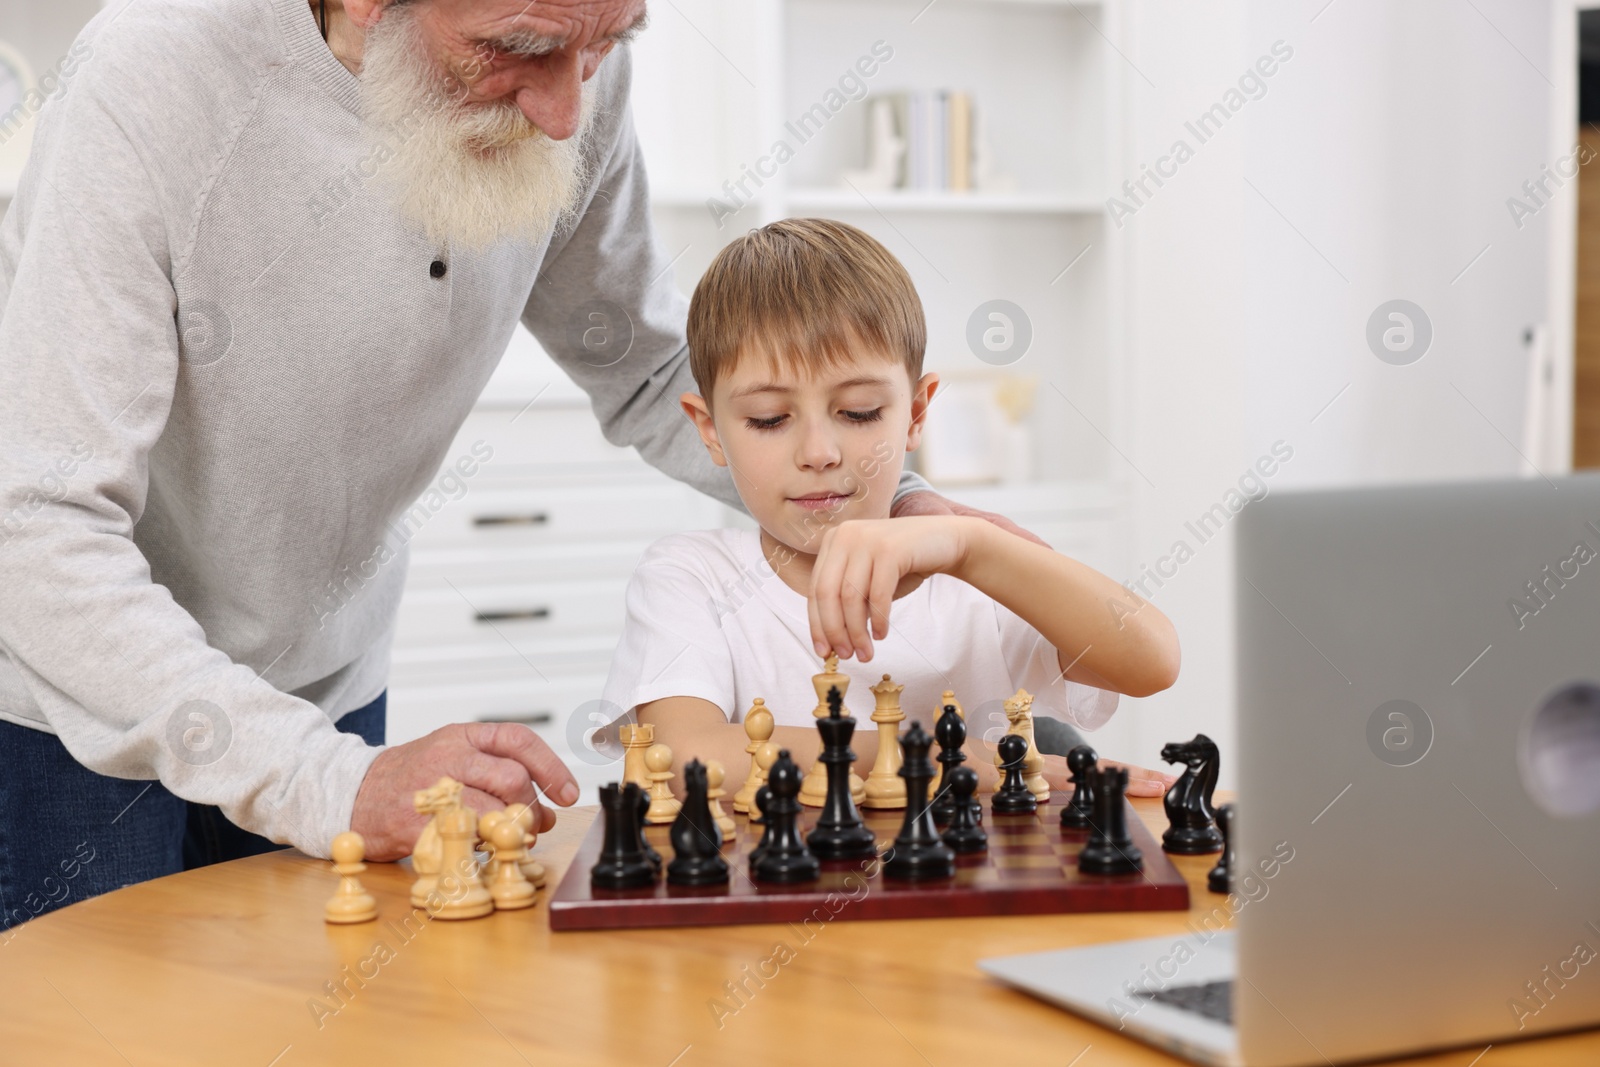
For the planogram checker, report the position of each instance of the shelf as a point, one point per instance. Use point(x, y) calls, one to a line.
point(1031, 203)
point(1090, 5)
point(1022, 203)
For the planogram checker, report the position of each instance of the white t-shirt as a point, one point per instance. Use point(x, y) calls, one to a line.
point(707, 617)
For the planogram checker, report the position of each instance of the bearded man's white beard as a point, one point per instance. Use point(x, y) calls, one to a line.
point(472, 174)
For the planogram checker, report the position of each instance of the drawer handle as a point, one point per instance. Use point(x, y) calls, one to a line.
point(537, 518)
point(538, 718)
point(513, 616)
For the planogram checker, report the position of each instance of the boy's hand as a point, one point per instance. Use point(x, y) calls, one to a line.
point(863, 565)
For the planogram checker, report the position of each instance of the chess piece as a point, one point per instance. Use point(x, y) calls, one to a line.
point(532, 869)
point(487, 822)
point(814, 790)
point(1192, 829)
point(448, 884)
point(511, 889)
point(758, 809)
point(766, 756)
point(1013, 797)
point(1220, 878)
point(715, 793)
point(636, 739)
point(839, 834)
point(885, 787)
point(758, 728)
point(658, 768)
point(1109, 849)
point(1019, 716)
point(951, 733)
point(425, 854)
point(918, 854)
point(963, 835)
point(457, 882)
point(782, 855)
point(351, 902)
point(696, 838)
point(948, 699)
point(642, 808)
point(622, 864)
point(1080, 809)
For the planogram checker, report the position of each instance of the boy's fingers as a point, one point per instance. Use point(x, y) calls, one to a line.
point(825, 595)
point(881, 598)
point(830, 616)
point(857, 580)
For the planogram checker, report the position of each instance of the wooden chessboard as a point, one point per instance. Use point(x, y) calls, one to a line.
point(1031, 867)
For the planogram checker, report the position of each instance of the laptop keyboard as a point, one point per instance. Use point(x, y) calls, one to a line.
point(1214, 1000)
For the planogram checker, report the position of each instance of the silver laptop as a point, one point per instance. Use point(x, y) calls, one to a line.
point(1419, 789)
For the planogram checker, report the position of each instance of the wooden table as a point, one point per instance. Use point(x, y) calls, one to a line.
point(224, 966)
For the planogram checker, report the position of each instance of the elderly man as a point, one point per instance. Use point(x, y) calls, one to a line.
point(262, 262)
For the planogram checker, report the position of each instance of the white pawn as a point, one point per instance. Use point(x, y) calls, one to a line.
point(351, 903)
point(715, 793)
point(510, 889)
point(486, 824)
point(532, 869)
point(663, 805)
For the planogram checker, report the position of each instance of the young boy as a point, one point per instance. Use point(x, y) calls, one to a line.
point(806, 339)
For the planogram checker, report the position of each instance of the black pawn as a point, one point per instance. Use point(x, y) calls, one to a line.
point(622, 865)
point(1220, 880)
point(1191, 821)
point(839, 833)
point(964, 835)
point(782, 855)
point(1079, 810)
point(1109, 849)
point(918, 854)
point(696, 837)
point(1013, 797)
point(645, 846)
point(951, 733)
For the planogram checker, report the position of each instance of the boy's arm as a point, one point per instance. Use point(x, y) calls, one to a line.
point(697, 729)
point(1104, 635)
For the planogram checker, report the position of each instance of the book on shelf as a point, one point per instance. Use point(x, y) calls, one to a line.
point(936, 130)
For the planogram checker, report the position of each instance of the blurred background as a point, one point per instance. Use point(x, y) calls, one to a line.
point(1175, 256)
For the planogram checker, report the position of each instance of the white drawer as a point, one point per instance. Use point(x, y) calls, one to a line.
point(503, 518)
point(514, 612)
point(554, 661)
point(441, 567)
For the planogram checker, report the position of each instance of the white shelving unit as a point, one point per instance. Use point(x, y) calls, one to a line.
point(1047, 99)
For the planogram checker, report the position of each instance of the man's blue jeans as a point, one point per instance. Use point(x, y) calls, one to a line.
point(67, 833)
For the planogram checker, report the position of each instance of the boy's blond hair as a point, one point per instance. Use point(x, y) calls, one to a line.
point(803, 293)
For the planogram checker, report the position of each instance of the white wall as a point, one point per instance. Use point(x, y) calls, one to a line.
point(1376, 165)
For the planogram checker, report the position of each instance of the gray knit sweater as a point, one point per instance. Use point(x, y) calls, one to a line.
point(227, 368)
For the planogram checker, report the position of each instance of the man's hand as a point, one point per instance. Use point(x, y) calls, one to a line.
point(498, 763)
point(863, 565)
point(927, 502)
